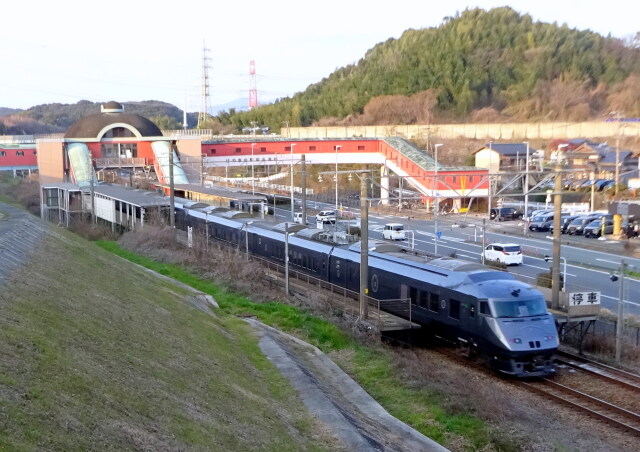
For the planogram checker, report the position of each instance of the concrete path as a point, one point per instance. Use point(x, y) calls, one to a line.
point(356, 419)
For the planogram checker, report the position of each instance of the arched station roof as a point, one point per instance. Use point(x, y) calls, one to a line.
point(112, 115)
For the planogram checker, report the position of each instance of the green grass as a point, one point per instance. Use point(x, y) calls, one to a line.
point(372, 369)
point(100, 355)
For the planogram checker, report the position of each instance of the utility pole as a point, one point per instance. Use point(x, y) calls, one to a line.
point(620, 322)
point(364, 247)
point(435, 217)
point(489, 175)
point(303, 184)
point(291, 171)
point(92, 190)
point(172, 203)
point(286, 258)
point(526, 190)
point(202, 170)
point(617, 159)
point(557, 209)
point(484, 222)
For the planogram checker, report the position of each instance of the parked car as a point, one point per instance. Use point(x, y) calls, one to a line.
point(537, 212)
point(565, 221)
point(541, 222)
point(607, 185)
point(576, 227)
point(393, 231)
point(506, 253)
point(504, 213)
point(594, 229)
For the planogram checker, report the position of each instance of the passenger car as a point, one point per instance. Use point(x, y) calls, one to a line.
point(535, 213)
point(325, 214)
point(577, 225)
point(504, 213)
point(506, 253)
point(594, 229)
point(565, 221)
point(393, 231)
point(541, 222)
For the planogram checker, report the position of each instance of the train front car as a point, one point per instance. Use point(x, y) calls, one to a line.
point(518, 332)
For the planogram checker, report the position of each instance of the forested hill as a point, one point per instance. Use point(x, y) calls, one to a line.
point(49, 118)
point(495, 65)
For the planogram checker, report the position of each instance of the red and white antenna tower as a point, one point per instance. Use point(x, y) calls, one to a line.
point(253, 91)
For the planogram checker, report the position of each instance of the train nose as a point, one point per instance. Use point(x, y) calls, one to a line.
point(536, 338)
point(532, 338)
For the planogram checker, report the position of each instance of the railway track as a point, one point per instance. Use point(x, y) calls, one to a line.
point(599, 370)
point(587, 404)
point(608, 379)
point(600, 391)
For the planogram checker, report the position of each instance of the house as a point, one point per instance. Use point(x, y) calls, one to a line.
point(507, 157)
point(601, 160)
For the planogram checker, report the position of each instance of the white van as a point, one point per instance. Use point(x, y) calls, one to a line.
point(297, 218)
point(393, 231)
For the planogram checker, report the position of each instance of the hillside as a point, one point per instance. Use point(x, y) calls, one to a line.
point(98, 354)
point(56, 118)
point(479, 65)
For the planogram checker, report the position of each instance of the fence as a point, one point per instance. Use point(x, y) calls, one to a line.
point(340, 298)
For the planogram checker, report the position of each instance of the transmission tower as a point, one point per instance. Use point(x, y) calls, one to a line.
point(204, 93)
point(253, 91)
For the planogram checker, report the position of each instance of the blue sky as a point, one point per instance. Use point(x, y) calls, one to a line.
point(135, 50)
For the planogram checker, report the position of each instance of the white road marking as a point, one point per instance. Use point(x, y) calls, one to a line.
point(468, 257)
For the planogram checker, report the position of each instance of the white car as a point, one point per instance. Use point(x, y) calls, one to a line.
point(393, 231)
point(326, 214)
point(505, 253)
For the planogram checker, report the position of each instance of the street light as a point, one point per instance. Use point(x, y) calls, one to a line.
point(291, 171)
point(620, 322)
point(253, 180)
point(336, 177)
point(435, 218)
point(564, 275)
point(557, 210)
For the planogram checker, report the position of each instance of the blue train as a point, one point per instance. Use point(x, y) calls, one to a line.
point(485, 311)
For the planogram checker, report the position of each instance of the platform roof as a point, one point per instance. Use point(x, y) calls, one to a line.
point(240, 196)
point(136, 197)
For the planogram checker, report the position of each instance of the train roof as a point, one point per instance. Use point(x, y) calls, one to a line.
point(293, 227)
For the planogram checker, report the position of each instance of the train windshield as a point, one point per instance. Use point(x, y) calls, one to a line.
point(519, 308)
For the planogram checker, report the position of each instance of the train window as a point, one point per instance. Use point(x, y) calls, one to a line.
point(433, 302)
point(472, 311)
point(424, 299)
point(484, 308)
point(324, 264)
point(413, 294)
point(454, 308)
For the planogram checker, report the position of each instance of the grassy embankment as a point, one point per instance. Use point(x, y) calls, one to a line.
point(99, 355)
point(373, 368)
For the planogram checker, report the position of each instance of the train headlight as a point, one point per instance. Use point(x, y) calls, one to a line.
point(515, 340)
point(549, 338)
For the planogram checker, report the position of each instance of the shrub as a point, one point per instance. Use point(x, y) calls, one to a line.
point(496, 264)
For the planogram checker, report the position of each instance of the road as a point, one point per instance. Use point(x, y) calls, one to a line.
point(585, 269)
